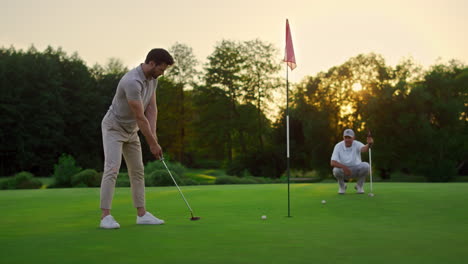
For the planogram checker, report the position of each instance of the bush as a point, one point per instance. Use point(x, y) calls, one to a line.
point(175, 167)
point(307, 176)
point(22, 180)
point(263, 164)
point(154, 165)
point(189, 181)
point(80, 185)
point(442, 171)
point(261, 180)
point(227, 180)
point(244, 180)
point(64, 170)
point(236, 167)
point(86, 178)
point(206, 164)
point(4, 184)
point(460, 179)
point(248, 180)
point(123, 180)
point(162, 178)
point(156, 174)
point(399, 176)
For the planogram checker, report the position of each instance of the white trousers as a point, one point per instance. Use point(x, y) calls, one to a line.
point(358, 172)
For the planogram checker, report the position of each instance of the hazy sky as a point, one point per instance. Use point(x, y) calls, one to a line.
point(325, 33)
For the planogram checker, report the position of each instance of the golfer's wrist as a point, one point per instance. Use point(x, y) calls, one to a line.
point(154, 144)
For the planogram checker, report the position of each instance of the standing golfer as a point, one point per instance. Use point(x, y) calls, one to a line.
point(346, 161)
point(133, 108)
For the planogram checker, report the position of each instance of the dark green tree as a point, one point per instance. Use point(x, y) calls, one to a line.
point(183, 74)
point(224, 72)
point(441, 132)
point(260, 80)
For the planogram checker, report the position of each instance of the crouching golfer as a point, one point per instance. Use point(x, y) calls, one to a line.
point(346, 161)
point(133, 108)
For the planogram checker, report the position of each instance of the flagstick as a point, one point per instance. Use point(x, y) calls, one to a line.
point(287, 138)
point(288, 58)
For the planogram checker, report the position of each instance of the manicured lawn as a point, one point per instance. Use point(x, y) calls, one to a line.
point(403, 223)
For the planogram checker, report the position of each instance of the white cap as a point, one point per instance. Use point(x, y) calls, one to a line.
point(348, 132)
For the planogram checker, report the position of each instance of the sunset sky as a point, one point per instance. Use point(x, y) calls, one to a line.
point(325, 33)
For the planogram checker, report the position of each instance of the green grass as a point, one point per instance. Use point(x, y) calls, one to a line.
point(403, 223)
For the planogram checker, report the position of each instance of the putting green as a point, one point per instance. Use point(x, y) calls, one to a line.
point(403, 223)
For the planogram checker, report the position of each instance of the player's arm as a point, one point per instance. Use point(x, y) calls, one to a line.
point(151, 114)
point(370, 141)
point(137, 108)
point(336, 164)
point(345, 168)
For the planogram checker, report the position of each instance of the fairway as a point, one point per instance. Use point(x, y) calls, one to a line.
point(403, 223)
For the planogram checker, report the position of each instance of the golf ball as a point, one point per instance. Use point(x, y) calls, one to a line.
point(324, 202)
point(264, 217)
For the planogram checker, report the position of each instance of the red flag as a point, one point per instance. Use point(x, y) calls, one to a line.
point(289, 54)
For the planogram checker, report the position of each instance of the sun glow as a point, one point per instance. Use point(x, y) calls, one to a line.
point(357, 87)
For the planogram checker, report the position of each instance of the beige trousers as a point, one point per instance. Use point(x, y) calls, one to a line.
point(118, 140)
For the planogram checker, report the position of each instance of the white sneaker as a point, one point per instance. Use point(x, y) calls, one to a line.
point(149, 219)
point(342, 189)
point(109, 222)
point(359, 189)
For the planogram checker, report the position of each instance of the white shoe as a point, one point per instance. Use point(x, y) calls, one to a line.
point(109, 222)
point(359, 189)
point(342, 189)
point(149, 219)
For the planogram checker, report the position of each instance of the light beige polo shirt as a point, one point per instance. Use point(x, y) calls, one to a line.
point(132, 86)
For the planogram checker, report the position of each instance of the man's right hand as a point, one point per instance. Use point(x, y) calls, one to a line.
point(347, 171)
point(156, 151)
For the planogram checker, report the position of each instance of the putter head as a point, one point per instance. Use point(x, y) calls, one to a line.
point(194, 218)
point(371, 194)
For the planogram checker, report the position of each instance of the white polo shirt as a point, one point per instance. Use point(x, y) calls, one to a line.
point(348, 156)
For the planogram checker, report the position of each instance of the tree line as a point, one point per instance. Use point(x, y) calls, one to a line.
point(52, 103)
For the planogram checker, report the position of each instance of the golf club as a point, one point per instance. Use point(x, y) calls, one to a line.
point(193, 218)
point(371, 194)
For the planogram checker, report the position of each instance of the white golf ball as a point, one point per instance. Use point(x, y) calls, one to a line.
point(264, 217)
point(324, 202)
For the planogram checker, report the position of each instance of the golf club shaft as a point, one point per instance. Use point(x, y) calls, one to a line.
point(180, 191)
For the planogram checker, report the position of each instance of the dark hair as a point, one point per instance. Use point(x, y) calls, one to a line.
point(159, 56)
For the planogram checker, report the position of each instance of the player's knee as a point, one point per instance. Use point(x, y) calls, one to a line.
point(365, 165)
point(364, 168)
point(338, 173)
point(137, 174)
